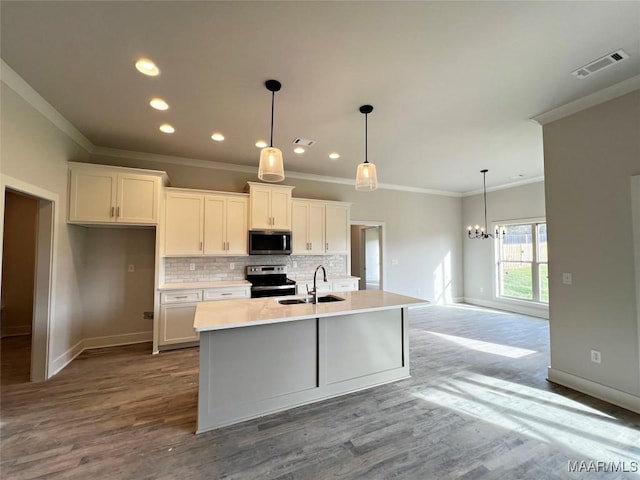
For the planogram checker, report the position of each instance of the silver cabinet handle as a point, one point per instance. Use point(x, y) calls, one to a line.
point(118, 212)
point(200, 245)
point(310, 246)
point(326, 246)
point(224, 294)
point(181, 296)
point(112, 211)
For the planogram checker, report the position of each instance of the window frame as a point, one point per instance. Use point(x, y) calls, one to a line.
point(535, 263)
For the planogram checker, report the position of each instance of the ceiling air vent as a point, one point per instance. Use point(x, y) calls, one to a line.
point(600, 64)
point(304, 142)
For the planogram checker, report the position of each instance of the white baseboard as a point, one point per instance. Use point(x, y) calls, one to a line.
point(115, 340)
point(516, 307)
point(96, 342)
point(597, 390)
point(65, 359)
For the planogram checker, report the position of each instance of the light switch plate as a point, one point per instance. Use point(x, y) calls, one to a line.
point(567, 279)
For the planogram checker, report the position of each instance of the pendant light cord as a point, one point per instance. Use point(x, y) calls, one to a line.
point(273, 100)
point(366, 140)
point(484, 188)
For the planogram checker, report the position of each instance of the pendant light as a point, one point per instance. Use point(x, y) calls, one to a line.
point(271, 167)
point(366, 177)
point(481, 232)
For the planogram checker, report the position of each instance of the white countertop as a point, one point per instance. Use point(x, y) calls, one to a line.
point(196, 285)
point(262, 311)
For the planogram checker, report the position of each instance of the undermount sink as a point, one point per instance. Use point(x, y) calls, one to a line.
point(323, 299)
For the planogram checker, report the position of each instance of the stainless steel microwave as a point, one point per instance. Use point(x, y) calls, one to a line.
point(269, 242)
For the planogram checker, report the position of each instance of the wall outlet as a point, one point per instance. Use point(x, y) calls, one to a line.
point(192, 266)
point(131, 268)
point(596, 356)
point(232, 266)
point(481, 289)
point(147, 315)
point(567, 279)
point(394, 262)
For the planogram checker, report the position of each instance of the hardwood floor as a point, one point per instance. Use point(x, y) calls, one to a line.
point(477, 407)
point(15, 359)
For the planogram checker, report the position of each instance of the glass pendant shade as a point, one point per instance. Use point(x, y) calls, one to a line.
point(366, 177)
point(271, 168)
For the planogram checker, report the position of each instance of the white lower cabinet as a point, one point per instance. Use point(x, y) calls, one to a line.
point(178, 309)
point(349, 285)
point(344, 285)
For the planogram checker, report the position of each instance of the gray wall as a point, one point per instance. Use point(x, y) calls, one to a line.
point(35, 152)
point(524, 202)
point(589, 159)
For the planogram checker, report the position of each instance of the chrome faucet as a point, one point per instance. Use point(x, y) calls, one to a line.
point(314, 292)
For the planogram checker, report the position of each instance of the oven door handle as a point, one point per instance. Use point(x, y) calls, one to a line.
point(272, 287)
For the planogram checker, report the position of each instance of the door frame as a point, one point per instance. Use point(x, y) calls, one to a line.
point(46, 264)
point(383, 246)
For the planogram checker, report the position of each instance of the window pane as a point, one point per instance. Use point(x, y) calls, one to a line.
point(517, 244)
point(517, 280)
point(543, 276)
point(542, 242)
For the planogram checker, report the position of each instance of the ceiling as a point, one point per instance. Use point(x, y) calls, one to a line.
point(453, 84)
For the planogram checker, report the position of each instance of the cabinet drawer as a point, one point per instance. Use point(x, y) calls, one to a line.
point(225, 293)
point(181, 297)
point(346, 286)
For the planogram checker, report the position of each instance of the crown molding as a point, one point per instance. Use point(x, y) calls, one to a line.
point(505, 186)
point(193, 162)
point(16, 83)
point(592, 100)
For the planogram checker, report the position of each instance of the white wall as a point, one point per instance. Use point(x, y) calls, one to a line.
point(523, 202)
point(589, 159)
point(423, 242)
point(35, 152)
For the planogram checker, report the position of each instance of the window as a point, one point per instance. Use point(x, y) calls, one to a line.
point(522, 264)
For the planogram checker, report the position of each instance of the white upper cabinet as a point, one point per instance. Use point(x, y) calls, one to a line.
point(225, 225)
point(100, 194)
point(307, 227)
point(205, 224)
point(183, 224)
point(270, 207)
point(337, 229)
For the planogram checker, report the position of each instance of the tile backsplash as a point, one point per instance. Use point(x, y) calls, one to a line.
point(209, 269)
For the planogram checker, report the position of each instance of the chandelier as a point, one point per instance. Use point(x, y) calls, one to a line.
point(481, 232)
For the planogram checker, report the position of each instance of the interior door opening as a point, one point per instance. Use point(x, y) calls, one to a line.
point(26, 285)
point(367, 254)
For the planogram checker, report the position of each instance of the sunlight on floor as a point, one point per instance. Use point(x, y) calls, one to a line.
point(487, 347)
point(543, 415)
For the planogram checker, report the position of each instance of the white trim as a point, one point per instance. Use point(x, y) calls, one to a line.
point(608, 394)
point(533, 310)
point(117, 340)
point(583, 103)
point(635, 212)
point(383, 245)
point(505, 186)
point(65, 358)
point(33, 190)
point(16, 83)
point(193, 162)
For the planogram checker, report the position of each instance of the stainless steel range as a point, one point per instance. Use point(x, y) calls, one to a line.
point(270, 281)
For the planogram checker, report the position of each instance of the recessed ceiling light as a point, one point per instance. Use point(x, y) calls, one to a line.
point(298, 150)
point(261, 144)
point(159, 104)
point(166, 128)
point(146, 66)
point(218, 137)
point(334, 156)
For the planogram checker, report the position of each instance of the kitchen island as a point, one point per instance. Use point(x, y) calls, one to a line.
point(258, 356)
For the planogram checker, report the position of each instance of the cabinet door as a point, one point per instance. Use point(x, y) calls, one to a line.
point(316, 228)
point(137, 199)
point(237, 222)
point(215, 218)
point(184, 219)
point(281, 209)
point(176, 323)
point(261, 207)
point(299, 224)
point(337, 229)
point(92, 196)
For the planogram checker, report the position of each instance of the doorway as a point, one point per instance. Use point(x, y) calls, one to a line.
point(27, 240)
point(367, 254)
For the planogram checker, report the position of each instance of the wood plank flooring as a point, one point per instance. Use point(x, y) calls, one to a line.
point(477, 407)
